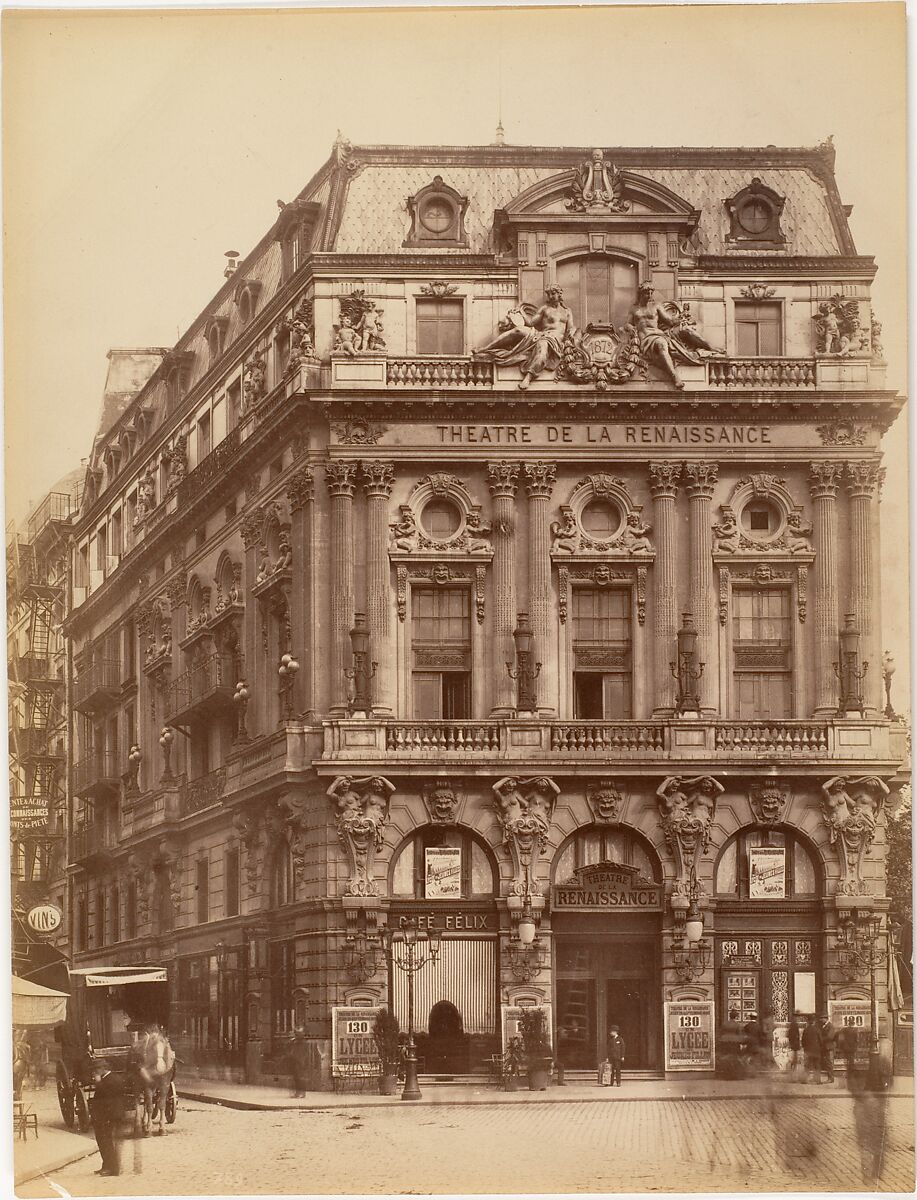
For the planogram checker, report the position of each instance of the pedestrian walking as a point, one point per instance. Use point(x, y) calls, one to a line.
point(755, 1039)
point(794, 1039)
point(106, 1107)
point(811, 1048)
point(299, 1063)
point(615, 1054)
point(847, 1044)
point(827, 1034)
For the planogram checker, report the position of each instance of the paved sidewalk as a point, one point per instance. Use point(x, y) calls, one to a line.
point(274, 1099)
point(56, 1146)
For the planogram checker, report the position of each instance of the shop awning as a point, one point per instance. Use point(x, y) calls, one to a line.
point(116, 976)
point(37, 1005)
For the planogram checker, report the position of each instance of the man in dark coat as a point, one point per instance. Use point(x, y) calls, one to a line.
point(811, 1045)
point(615, 1054)
point(107, 1111)
point(794, 1040)
point(827, 1033)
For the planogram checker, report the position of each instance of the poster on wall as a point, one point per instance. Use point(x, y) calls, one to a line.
point(689, 1035)
point(443, 873)
point(510, 1014)
point(354, 1049)
point(767, 872)
point(853, 1015)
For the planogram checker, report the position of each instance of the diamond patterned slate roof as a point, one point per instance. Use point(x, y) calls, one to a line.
point(376, 220)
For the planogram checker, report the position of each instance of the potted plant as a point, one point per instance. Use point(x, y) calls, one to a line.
point(536, 1047)
point(386, 1036)
point(513, 1060)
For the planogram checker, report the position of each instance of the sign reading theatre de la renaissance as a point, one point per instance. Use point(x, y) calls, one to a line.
point(607, 885)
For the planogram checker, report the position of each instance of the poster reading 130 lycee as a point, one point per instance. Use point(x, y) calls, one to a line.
point(689, 1035)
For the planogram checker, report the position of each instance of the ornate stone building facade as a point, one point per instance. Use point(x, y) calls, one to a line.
point(500, 542)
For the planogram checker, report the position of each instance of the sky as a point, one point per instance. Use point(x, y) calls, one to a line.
point(138, 147)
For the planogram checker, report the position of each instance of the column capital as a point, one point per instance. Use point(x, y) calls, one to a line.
point(252, 525)
point(539, 478)
point(701, 478)
point(664, 476)
point(862, 478)
point(301, 489)
point(341, 477)
point(502, 478)
point(378, 477)
point(824, 478)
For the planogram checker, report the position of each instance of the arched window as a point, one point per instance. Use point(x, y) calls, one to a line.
point(801, 878)
point(610, 844)
point(460, 866)
point(598, 290)
point(283, 877)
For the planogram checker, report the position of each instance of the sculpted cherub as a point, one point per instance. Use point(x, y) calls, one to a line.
point(405, 532)
point(565, 534)
point(478, 532)
point(284, 551)
point(727, 532)
point(633, 537)
point(347, 339)
point(797, 534)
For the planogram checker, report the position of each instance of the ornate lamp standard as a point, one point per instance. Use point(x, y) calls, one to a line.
point(410, 949)
point(860, 950)
point(687, 670)
point(526, 954)
point(690, 949)
point(289, 665)
point(848, 670)
point(888, 670)
point(362, 671)
point(525, 671)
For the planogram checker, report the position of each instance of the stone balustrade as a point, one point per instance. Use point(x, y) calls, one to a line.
point(438, 372)
point(578, 736)
point(790, 737)
point(761, 372)
point(442, 735)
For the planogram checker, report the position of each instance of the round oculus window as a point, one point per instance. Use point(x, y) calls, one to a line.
point(761, 519)
point(600, 519)
point(755, 215)
point(437, 215)
point(441, 519)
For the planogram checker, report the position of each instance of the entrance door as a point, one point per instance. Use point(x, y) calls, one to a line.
point(626, 1006)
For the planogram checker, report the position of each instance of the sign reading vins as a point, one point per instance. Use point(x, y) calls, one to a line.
point(689, 1044)
point(606, 885)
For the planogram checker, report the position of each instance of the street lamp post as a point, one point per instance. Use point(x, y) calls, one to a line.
point(526, 670)
point(410, 949)
point(860, 951)
point(686, 669)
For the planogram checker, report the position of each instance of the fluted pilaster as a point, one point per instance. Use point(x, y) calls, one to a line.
point(664, 478)
point(301, 496)
point(341, 480)
point(862, 480)
point(378, 478)
point(539, 483)
point(824, 478)
point(700, 480)
point(502, 479)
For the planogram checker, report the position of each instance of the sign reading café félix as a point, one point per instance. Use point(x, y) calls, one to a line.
point(601, 886)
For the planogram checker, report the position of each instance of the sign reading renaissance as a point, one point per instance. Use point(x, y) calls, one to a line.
point(767, 872)
point(354, 1049)
point(443, 872)
point(605, 885)
point(689, 1041)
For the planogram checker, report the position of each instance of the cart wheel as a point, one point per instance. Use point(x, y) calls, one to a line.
point(171, 1104)
point(82, 1110)
point(65, 1100)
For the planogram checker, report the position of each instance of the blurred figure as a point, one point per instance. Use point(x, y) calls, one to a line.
point(755, 1040)
point(811, 1048)
point(794, 1037)
point(615, 1054)
point(300, 1064)
point(827, 1034)
point(22, 1060)
point(106, 1108)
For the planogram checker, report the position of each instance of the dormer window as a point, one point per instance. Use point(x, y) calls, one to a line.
point(294, 232)
point(247, 298)
point(216, 336)
point(437, 216)
point(754, 215)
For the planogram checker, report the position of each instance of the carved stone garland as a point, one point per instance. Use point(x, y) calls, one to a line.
point(525, 809)
point(362, 808)
point(252, 835)
point(851, 809)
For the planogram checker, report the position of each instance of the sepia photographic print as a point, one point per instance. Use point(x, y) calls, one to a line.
point(457, 612)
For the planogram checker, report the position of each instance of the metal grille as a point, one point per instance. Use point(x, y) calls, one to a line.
point(464, 974)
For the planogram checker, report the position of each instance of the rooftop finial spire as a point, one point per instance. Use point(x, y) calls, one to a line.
point(499, 139)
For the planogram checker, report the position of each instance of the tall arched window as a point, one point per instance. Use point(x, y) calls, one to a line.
point(283, 876)
point(598, 290)
point(602, 843)
point(465, 861)
point(801, 876)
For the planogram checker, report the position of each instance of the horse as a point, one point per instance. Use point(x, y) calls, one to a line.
point(155, 1061)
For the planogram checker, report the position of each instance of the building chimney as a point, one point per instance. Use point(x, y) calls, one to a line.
point(231, 256)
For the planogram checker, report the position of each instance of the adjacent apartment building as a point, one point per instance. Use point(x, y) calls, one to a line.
point(497, 555)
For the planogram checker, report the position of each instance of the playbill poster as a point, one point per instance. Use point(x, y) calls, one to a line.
point(767, 873)
point(443, 872)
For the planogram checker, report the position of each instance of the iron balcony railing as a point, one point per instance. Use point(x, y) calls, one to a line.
point(56, 506)
point(100, 772)
point(214, 465)
point(197, 794)
point(98, 683)
point(207, 682)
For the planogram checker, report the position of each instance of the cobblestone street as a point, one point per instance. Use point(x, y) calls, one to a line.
point(763, 1144)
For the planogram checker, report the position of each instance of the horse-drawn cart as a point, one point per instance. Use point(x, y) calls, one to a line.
point(108, 1011)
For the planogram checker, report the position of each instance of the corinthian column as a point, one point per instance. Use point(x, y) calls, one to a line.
point(341, 480)
point(378, 478)
point(502, 478)
point(664, 488)
point(539, 482)
point(700, 482)
point(823, 482)
point(862, 478)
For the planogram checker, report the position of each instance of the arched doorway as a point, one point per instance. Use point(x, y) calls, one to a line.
point(446, 1047)
point(606, 906)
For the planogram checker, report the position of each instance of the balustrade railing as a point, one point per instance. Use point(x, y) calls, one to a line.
point(214, 465)
point(439, 372)
point(600, 735)
point(197, 794)
point(761, 372)
point(199, 681)
point(763, 736)
point(467, 736)
point(96, 680)
point(100, 769)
